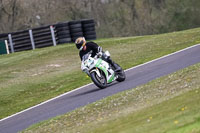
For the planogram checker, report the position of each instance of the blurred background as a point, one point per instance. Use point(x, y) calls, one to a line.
point(113, 18)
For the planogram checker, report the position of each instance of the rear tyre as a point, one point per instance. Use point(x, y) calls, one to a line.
point(99, 81)
point(121, 75)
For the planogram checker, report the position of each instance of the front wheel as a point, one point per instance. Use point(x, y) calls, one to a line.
point(99, 81)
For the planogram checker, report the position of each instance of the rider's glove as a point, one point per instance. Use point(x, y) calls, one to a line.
point(100, 49)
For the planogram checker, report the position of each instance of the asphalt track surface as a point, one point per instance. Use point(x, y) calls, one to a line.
point(90, 93)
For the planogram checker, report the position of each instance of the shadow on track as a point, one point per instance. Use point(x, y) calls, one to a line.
point(93, 90)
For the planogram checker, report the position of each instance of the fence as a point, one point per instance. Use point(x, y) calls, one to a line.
point(51, 35)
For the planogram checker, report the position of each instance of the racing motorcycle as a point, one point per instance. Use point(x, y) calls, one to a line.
point(101, 72)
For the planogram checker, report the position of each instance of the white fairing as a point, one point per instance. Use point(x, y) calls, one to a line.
point(89, 64)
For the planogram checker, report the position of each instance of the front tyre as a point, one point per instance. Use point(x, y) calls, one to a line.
point(100, 82)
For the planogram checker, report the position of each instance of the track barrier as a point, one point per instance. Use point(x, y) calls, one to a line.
point(50, 35)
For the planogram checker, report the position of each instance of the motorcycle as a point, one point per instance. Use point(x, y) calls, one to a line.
point(101, 72)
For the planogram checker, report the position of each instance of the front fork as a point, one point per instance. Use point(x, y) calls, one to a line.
point(97, 72)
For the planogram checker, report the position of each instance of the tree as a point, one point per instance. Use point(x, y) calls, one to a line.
point(9, 12)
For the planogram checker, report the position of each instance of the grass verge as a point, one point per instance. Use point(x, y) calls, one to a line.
point(31, 77)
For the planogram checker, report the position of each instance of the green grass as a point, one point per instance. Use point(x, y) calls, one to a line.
point(31, 77)
point(164, 117)
point(169, 104)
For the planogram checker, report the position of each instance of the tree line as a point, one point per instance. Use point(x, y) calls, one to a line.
point(113, 17)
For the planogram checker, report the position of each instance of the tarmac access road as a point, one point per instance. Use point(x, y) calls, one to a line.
point(90, 93)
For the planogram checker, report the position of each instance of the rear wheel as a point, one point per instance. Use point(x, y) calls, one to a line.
point(121, 75)
point(101, 81)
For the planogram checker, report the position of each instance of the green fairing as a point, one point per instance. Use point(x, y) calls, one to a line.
point(104, 70)
point(99, 62)
point(111, 79)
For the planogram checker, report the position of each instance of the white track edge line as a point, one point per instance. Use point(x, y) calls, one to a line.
point(45, 102)
point(163, 57)
point(92, 83)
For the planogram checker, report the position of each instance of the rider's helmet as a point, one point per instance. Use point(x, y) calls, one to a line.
point(80, 43)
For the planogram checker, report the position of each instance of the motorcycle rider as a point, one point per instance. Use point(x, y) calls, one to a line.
point(86, 47)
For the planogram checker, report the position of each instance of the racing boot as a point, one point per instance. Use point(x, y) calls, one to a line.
point(116, 67)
